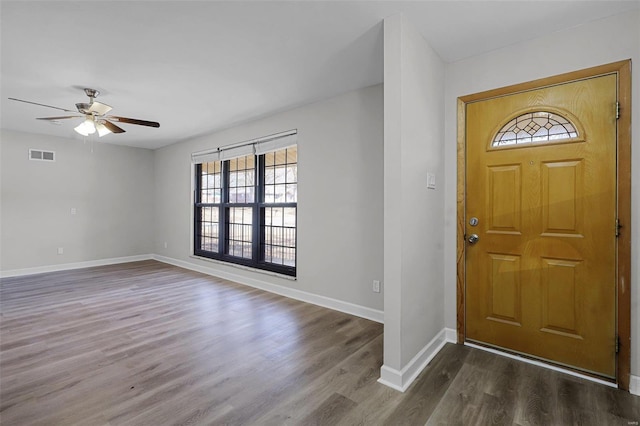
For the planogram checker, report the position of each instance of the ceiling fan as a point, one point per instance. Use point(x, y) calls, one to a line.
point(95, 118)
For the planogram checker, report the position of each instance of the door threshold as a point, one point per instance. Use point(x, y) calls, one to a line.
point(541, 364)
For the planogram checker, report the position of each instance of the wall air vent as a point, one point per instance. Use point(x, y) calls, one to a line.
point(40, 155)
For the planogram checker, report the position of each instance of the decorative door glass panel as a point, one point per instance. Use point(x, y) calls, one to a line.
point(535, 127)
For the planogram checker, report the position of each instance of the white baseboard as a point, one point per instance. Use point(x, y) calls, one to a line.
point(401, 380)
point(327, 302)
point(451, 335)
point(76, 265)
point(634, 385)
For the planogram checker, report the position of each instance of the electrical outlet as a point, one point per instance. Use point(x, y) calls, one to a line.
point(376, 286)
point(74, 210)
point(165, 244)
point(60, 250)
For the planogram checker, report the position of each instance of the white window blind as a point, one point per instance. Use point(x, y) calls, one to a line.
point(275, 144)
point(205, 157)
point(257, 146)
point(235, 152)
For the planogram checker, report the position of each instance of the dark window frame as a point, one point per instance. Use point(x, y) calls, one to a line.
point(257, 226)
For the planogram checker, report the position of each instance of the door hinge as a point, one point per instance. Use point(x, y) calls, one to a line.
point(618, 227)
point(617, 344)
point(617, 110)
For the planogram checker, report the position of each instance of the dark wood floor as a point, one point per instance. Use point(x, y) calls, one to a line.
point(150, 344)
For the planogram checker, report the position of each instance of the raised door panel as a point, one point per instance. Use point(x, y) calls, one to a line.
point(562, 198)
point(504, 207)
point(504, 287)
point(561, 302)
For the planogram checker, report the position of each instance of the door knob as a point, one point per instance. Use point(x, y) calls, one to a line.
point(473, 238)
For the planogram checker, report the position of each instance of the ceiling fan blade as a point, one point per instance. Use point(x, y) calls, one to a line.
point(35, 103)
point(133, 121)
point(99, 108)
point(112, 127)
point(58, 118)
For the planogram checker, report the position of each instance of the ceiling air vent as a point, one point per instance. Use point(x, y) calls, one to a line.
point(40, 155)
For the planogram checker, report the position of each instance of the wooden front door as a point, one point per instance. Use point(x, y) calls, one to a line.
point(541, 198)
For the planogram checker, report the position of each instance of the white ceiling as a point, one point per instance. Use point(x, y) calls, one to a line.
point(198, 67)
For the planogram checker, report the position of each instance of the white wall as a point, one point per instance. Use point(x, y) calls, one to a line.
point(340, 242)
point(413, 215)
point(600, 42)
point(111, 188)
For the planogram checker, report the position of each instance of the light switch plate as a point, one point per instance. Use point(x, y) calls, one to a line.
point(431, 181)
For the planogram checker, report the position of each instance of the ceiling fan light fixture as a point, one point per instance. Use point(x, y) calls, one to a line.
point(102, 129)
point(95, 116)
point(86, 128)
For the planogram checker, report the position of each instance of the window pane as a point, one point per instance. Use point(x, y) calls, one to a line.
point(292, 155)
point(292, 173)
point(292, 193)
point(281, 176)
point(269, 176)
point(280, 191)
point(270, 158)
point(269, 194)
point(239, 235)
point(281, 157)
point(280, 235)
point(242, 179)
point(209, 228)
point(210, 182)
point(289, 217)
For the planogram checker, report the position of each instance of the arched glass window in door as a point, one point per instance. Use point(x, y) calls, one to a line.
point(535, 127)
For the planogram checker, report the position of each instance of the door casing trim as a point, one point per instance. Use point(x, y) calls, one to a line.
point(623, 183)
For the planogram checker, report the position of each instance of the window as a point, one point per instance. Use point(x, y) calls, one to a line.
point(279, 212)
point(246, 209)
point(535, 127)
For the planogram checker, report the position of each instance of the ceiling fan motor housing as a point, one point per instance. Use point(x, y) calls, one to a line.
point(92, 93)
point(83, 107)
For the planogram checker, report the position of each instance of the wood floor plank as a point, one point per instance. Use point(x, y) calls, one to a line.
point(147, 343)
point(425, 394)
point(330, 412)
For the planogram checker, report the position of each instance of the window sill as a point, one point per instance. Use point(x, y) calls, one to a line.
point(245, 268)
